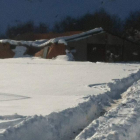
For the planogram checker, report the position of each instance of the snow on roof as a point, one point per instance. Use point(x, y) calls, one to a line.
point(59, 40)
point(24, 43)
point(73, 37)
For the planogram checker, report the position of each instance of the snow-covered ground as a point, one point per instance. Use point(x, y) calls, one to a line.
point(56, 99)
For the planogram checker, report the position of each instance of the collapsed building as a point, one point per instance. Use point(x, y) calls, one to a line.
point(93, 45)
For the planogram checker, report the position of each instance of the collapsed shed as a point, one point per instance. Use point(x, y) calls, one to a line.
point(94, 45)
point(103, 46)
point(99, 45)
point(36, 48)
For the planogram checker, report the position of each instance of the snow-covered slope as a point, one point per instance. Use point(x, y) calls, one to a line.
point(57, 99)
point(119, 123)
point(49, 11)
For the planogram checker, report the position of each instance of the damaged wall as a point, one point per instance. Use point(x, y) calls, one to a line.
point(5, 51)
point(52, 51)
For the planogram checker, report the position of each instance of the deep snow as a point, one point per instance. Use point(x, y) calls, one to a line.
point(68, 95)
point(119, 123)
point(45, 81)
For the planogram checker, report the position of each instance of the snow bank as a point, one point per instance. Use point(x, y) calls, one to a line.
point(10, 120)
point(68, 57)
point(120, 123)
point(121, 85)
point(20, 51)
point(62, 58)
point(68, 123)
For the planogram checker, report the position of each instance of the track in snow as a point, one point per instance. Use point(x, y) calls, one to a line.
point(11, 97)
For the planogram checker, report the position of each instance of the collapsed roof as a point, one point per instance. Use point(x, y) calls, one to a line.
point(59, 40)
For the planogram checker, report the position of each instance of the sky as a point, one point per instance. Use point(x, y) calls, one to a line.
point(50, 11)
